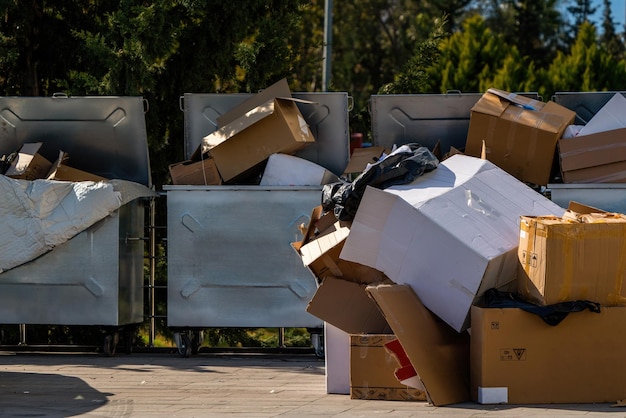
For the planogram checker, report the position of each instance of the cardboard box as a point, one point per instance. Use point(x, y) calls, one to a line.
point(29, 164)
point(595, 158)
point(451, 234)
point(321, 256)
point(289, 170)
point(62, 172)
point(579, 258)
point(439, 354)
point(203, 172)
point(330, 302)
point(245, 143)
point(517, 358)
point(372, 371)
point(520, 134)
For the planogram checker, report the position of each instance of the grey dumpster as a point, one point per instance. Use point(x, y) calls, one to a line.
point(95, 278)
point(427, 119)
point(607, 196)
point(229, 259)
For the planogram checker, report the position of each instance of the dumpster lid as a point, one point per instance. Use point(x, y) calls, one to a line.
point(103, 135)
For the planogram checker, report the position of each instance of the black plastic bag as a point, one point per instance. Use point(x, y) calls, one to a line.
point(402, 166)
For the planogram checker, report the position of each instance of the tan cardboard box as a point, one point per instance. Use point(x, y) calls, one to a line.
point(247, 141)
point(595, 158)
point(29, 164)
point(579, 258)
point(372, 371)
point(203, 172)
point(520, 134)
point(517, 358)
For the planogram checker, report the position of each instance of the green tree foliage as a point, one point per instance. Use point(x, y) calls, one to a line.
point(414, 76)
point(587, 67)
point(468, 56)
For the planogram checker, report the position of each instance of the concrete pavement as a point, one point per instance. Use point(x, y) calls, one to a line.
point(210, 385)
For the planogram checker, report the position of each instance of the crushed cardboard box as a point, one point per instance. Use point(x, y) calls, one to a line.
point(29, 164)
point(372, 370)
point(252, 134)
point(520, 134)
point(451, 234)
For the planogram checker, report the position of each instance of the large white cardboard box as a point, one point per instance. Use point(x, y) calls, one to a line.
point(451, 234)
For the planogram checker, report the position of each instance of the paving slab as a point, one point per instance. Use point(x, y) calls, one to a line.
point(208, 385)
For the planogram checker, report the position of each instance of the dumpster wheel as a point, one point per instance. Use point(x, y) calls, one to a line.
point(183, 344)
point(110, 344)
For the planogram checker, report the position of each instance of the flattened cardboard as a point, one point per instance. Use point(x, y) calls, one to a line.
point(451, 234)
point(581, 360)
point(347, 306)
point(245, 144)
point(520, 134)
point(562, 260)
point(595, 158)
point(372, 370)
point(29, 164)
point(439, 354)
point(62, 172)
point(202, 172)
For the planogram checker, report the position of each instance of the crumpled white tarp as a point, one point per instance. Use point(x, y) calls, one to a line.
point(36, 216)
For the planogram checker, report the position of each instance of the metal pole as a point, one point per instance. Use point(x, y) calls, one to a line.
point(152, 271)
point(328, 43)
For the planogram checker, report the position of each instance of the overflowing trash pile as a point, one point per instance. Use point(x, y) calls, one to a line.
point(454, 278)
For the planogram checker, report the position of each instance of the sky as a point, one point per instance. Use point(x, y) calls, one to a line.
point(617, 11)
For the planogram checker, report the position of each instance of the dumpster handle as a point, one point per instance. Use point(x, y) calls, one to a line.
point(350, 103)
point(454, 92)
point(182, 220)
point(180, 103)
point(146, 106)
point(59, 95)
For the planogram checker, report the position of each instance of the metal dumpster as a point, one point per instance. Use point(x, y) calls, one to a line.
point(607, 196)
point(424, 118)
point(229, 259)
point(95, 278)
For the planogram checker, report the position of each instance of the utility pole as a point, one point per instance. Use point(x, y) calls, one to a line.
point(328, 43)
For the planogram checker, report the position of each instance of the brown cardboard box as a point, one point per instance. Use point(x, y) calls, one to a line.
point(517, 139)
point(29, 164)
point(62, 172)
point(372, 371)
point(247, 141)
point(581, 257)
point(203, 172)
point(595, 158)
point(518, 358)
point(439, 354)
